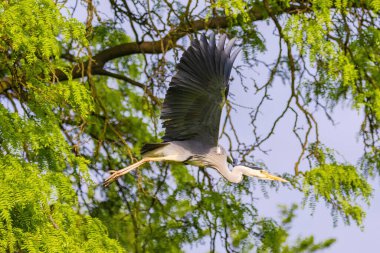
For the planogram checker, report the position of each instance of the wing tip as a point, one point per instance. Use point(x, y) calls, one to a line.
point(211, 43)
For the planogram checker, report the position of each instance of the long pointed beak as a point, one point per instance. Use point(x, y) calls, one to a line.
point(266, 175)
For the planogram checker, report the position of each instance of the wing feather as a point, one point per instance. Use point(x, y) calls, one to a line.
point(198, 91)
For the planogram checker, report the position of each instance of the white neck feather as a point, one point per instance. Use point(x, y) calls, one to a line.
point(236, 175)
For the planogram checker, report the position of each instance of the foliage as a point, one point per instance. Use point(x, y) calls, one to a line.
point(78, 100)
point(233, 8)
point(275, 237)
point(339, 185)
point(38, 206)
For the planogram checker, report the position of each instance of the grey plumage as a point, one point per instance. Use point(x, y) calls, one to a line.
point(197, 92)
point(191, 112)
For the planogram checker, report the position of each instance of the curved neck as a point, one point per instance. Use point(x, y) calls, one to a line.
point(234, 176)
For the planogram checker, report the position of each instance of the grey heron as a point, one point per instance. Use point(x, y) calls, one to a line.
point(191, 113)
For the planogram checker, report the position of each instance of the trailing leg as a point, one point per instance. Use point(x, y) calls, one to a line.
point(118, 173)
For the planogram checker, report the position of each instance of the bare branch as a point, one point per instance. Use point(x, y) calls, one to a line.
point(131, 81)
point(257, 12)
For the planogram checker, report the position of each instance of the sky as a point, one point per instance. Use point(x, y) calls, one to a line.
point(343, 136)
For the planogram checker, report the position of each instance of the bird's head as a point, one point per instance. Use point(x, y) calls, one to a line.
point(254, 171)
point(263, 174)
point(251, 171)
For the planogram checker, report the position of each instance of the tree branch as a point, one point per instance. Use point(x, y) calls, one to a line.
point(167, 42)
point(104, 72)
point(5, 84)
point(257, 12)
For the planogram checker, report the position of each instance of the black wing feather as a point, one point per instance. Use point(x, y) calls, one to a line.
point(198, 91)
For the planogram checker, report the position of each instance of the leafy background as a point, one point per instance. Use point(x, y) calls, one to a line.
point(70, 112)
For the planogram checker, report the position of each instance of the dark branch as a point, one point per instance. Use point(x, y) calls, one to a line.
point(5, 84)
point(257, 12)
point(131, 81)
point(167, 42)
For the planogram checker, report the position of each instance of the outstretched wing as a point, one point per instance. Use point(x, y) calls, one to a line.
point(198, 91)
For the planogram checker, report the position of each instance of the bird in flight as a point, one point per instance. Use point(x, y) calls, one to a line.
point(191, 113)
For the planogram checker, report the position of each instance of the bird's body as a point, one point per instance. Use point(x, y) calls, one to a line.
point(192, 110)
point(190, 152)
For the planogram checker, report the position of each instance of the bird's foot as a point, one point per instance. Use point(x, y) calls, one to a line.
point(114, 175)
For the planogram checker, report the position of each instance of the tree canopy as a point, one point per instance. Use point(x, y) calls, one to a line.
point(81, 88)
